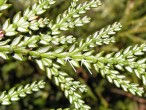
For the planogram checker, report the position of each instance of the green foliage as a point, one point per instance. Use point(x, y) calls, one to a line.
point(30, 36)
point(14, 94)
point(3, 5)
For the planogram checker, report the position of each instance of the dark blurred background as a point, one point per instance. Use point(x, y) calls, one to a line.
point(101, 95)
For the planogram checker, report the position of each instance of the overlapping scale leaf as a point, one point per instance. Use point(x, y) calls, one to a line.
point(4, 6)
